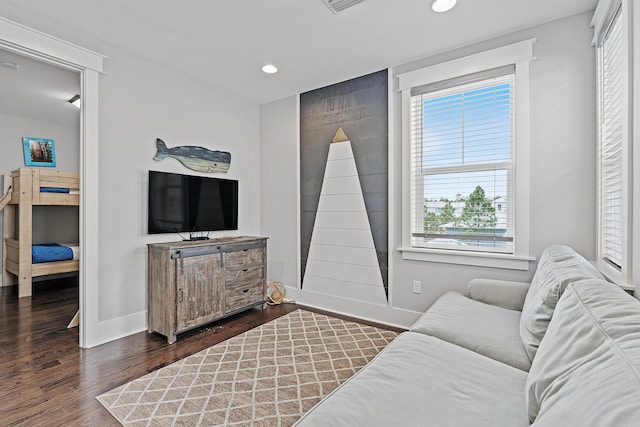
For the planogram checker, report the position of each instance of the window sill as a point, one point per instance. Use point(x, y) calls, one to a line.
point(478, 259)
point(613, 275)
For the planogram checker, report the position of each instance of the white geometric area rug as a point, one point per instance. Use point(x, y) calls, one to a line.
point(268, 376)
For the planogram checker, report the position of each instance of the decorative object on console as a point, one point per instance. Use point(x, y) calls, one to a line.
point(199, 159)
point(39, 152)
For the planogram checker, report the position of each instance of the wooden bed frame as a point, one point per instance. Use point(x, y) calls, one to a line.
point(24, 186)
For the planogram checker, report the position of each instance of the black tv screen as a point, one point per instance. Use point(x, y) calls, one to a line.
point(187, 203)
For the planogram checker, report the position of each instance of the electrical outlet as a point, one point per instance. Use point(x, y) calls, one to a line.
point(417, 286)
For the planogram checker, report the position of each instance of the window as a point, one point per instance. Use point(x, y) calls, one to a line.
point(610, 145)
point(465, 151)
point(615, 155)
point(462, 162)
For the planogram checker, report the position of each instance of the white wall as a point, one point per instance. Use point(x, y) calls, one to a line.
point(279, 188)
point(50, 224)
point(563, 136)
point(140, 102)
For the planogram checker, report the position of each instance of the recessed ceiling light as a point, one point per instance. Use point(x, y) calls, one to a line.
point(269, 69)
point(442, 5)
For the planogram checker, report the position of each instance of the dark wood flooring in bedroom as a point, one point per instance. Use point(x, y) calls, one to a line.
point(47, 380)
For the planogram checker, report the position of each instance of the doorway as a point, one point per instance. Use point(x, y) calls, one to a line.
point(34, 44)
point(34, 107)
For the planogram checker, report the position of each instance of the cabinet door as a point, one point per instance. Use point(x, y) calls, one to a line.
point(200, 290)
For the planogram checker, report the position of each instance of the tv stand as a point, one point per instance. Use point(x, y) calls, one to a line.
point(194, 283)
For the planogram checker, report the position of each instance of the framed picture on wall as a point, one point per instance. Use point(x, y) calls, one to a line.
point(39, 152)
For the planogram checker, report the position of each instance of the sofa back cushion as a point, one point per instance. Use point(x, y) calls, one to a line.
point(587, 370)
point(558, 267)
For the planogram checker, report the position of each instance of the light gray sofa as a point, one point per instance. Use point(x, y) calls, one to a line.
point(561, 351)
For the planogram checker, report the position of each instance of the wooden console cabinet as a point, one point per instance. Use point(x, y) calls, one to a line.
point(194, 283)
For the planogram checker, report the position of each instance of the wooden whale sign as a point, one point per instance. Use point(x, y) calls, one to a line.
point(195, 158)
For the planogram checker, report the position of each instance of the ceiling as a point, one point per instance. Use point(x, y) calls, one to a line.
point(224, 43)
point(37, 90)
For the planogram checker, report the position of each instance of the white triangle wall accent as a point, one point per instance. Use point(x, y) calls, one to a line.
point(342, 258)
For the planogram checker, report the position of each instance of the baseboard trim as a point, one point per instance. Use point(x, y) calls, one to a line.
point(120, 327)
point(385, 315)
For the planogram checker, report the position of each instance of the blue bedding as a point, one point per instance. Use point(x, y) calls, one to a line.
point(54, 190)
point(50, 252)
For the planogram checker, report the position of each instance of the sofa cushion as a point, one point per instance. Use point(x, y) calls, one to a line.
point(558, 267)
point(483, 328)
point(503, 293)
point(587, 370)
point(421, 380)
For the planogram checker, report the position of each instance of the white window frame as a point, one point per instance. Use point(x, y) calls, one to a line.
point(624, 276)
point(519, 54)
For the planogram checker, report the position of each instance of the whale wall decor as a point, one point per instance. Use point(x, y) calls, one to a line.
point(195, 158)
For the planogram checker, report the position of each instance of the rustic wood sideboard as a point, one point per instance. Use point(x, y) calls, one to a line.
point(193, 283)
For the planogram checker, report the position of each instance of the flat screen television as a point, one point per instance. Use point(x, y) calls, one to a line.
point(191, 204)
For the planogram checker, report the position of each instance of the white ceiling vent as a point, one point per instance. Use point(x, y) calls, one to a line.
point(337, 6)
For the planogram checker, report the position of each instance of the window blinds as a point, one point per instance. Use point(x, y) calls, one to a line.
point(611, 142)
point(462, 137)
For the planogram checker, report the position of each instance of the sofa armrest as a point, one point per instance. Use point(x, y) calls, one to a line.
point(503, 293)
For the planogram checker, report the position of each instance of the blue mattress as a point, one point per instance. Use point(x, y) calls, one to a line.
point(54, 190)
point(50, 252)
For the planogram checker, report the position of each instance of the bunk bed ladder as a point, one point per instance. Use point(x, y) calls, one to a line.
point(4, 200)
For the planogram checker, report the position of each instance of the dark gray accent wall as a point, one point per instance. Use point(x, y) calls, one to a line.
point(360, 107)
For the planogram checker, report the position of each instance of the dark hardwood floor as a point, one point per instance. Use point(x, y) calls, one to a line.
point(47, 380)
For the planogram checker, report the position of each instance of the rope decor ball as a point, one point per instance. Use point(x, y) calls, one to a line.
point(276, 293)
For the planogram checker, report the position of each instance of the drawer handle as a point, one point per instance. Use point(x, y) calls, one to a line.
point(245, 291)
point(245, 270)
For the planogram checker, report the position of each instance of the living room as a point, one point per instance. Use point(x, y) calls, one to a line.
point(141, 97)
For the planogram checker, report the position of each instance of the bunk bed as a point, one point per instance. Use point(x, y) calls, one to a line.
point(23, 189)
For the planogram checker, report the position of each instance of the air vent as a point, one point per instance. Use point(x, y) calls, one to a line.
point(337, 6)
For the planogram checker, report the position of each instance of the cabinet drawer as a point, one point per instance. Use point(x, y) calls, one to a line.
point(242, 279)
point(242, 294)
point(243, 259)
point(247, 273)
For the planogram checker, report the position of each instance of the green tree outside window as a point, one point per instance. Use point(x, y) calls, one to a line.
point(478, 212)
